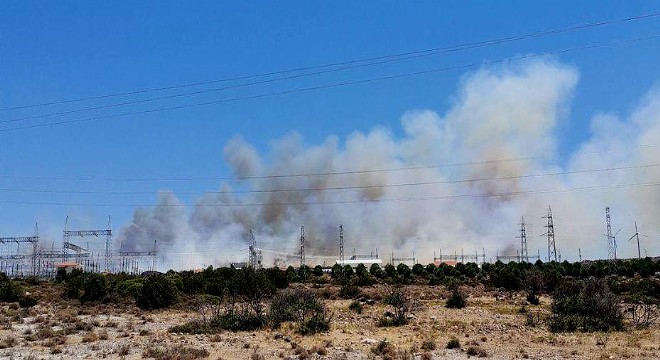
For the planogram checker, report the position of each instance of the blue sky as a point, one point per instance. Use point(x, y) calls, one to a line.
point(67, 50)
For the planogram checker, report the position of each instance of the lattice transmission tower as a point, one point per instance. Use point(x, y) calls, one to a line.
point(524, 255)
point(552, 247)
point(611, 238)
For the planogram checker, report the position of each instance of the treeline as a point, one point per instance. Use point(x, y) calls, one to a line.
point(246, 299)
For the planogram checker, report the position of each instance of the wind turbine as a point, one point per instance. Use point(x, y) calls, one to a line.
point(636, 235)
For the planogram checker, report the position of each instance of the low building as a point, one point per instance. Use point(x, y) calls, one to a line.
point(68, 266)
point(446, 262)
point(355, 262)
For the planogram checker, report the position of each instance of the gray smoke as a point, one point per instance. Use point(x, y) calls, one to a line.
point(507, 112)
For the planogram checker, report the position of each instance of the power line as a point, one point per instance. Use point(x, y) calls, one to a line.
point(362, 201)
point(327, 86)
point(374, 61)
point(331, 173)
point(351, 187)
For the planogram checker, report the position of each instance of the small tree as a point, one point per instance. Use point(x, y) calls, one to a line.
point(403, 270)
point(376, 271)
point(390, 270)
point(400, 304)
point(418, 270)
point(318, 271)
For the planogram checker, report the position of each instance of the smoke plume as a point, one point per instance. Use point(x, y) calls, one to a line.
point(457, 181)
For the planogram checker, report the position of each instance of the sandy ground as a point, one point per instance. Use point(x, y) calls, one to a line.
point(490, 322)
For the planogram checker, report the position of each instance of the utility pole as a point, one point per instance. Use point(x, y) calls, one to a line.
point(552, 247)
point(302, 246)
point(252, 251)
point(341, 245)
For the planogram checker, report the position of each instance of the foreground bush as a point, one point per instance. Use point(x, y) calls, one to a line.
point(95, 287)
point(9, 289)
point(301, 306)
point(585, 306)
point(457, 300)
point(400, 304)
point(157, 292)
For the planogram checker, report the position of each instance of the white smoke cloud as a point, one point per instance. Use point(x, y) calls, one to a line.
point(507, 112)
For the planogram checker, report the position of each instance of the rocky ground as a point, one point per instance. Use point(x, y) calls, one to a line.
point(492, 325)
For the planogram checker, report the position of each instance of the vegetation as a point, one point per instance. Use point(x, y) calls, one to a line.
point(585, 294)
point(457, 300)
point(585, 305)
point(453, 343)
point(399, 302)
point(157, 292)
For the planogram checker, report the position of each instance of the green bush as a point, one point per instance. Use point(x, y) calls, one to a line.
point(318, 322)
point(453, 344)
point(349, 290)
point(27, 301)
point(241, 320)
point(157, 292)
point(356, 306)
point(532, 298)
point(585, 305)
point(129, 288)
point(94, 286)
point(318, 270)
point(9, 290)
point(301, 306)
point(457, 300)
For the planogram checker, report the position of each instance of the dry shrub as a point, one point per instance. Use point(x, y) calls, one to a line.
point(123, 350)
point(8, 342)
point(90, 337)
point(178, 353)
point(316, 349)
point(257, 356)
point(384, 348)
point(428, 345)
point(453, 344)
point(476, 351)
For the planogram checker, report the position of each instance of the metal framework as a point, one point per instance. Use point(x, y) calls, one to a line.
point(18, 240)
point(552, 247)
point(611, 239)
point(462, 258)
point(254, 253)
point(131, 260)
point(403, 259)
point(107, 233)
point(523, 240)
point(341, 244)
